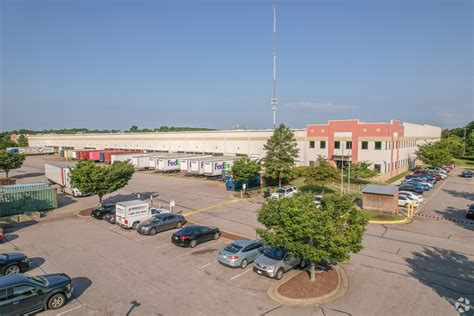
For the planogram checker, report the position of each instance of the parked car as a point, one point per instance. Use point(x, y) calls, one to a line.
point(240, 253)
point(425, 185)
point(425, 178)
point(450, 166)
point(428, 173)
point(442, 175)
point(286, 191)
point(13, 263)
point(412, 187)
point(405, 200)
point(2, 236)
point(274, 262)
point(439, 169)
point(190, 236)
point(466, 173)
point(23, 294)
point(470, 212)
point(110, 217)
point(101, 211)
point(161, 222)
point(412, 195)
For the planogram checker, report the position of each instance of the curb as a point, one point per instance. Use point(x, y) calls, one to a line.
point(337, 293)
point(398, 222)
point(446, 219)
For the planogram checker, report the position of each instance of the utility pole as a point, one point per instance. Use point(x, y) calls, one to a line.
point(465, 141)
point(274, 100)
point(349, 176)
point(342, 171)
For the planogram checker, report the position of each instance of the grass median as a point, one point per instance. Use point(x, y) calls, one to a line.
point(380, 216)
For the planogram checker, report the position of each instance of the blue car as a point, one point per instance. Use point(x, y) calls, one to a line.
point(412, 187)
point(240, 253)
point(424, 186)
point(425, 177)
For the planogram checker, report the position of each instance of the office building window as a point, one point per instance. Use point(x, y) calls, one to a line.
point(311, 144)
point(323, 144)
point(337, 144)
point(349, 145)
point(378, 145)
point(365, 145)
point(377, 167)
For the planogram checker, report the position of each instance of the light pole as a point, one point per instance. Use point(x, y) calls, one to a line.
point(342, 171)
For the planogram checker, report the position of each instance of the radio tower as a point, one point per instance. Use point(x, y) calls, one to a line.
point(274, 100)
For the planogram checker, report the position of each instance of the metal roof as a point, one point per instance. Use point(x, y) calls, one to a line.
point(380, 189)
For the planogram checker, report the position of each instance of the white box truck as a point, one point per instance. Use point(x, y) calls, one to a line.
point(215, 167)
point(58, 173)
point(131, 213)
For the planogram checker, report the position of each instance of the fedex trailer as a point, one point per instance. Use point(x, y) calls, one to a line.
point(173, 162)
point(185, 164)
point(197, 166)
point(215, 167)
point(59, 173)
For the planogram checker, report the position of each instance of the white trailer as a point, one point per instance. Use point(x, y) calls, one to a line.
point(185, 165)
point(122, 157)
point(142, 161)
point(59, 173)
point(173, 163)
point(215, 167)
point(154, 160)
point(131, 213)
point(197, 166)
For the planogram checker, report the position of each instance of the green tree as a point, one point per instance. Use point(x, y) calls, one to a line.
point(323, 235)
point(22, 141)
point(281, 152)
point(244, 169)
point(434, 154)
point(90, 178)
point(134, 128)
point(362, 171)
point(454, 144)
point(321, 174)
point(9, 161)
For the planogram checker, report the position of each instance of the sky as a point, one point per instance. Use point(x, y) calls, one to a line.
point(111, 64)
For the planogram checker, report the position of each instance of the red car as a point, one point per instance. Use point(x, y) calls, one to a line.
point(421, 173)
point(2, 237)
point(450, 166)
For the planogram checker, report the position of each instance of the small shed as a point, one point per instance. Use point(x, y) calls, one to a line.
point(380, 198)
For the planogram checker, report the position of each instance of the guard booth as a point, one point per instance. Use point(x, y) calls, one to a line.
point(380, 198)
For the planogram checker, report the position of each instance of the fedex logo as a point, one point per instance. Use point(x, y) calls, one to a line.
point(219, 166)
point(173, 162)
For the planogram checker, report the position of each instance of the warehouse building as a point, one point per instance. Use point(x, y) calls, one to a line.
point(390, 147)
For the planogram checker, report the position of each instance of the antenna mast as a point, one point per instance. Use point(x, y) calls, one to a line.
point(274, 101)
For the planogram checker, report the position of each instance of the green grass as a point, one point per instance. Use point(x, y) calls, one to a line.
point(379, 216)
point(399, 176)
point(464, 162)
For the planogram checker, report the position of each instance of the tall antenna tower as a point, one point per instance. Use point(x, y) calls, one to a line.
point(274, 101)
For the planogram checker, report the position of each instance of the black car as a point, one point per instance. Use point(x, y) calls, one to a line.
point(22, 294)
point(161, 222)
point(466, 174)
point(412, 188)
point(470, 212)
point(13, 263)
point(190, 236)
point(110, 217)
point(100, 212)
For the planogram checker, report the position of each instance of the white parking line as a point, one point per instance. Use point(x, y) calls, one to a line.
point(240, 274)
point(206, 265)
point(188, 252)
point(69, 310)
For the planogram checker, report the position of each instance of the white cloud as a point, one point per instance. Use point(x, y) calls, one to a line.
point(324, 106)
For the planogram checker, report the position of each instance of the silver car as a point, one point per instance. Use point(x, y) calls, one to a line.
point(240, 253)
point(274, 262)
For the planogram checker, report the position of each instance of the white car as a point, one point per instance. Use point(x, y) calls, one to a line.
point(404, 201)
point(286, 191)
point(412, 195)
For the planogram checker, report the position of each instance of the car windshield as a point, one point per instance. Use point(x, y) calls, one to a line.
point(471, 207)
point(275, 253)
point(37, 279)
point(281, 191)
point(233, 248)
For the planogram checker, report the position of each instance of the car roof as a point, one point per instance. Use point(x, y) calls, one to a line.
point(12, 279)
point(244, 242)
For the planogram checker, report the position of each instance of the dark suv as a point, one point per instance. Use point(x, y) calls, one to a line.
point(105, 209)
point(23, 294)
point(13, 263)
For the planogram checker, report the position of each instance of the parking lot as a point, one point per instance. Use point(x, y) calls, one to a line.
point(419, 268)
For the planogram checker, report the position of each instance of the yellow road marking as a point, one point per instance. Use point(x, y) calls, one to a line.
point(210, 207)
